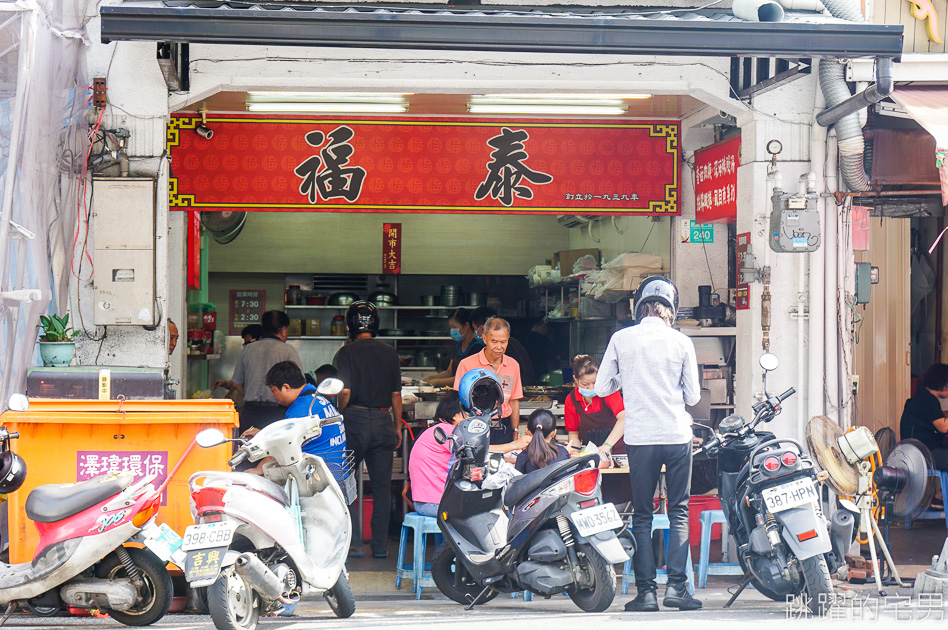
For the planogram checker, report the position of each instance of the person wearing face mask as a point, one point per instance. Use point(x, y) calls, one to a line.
point(468, 344)
point(590, 418)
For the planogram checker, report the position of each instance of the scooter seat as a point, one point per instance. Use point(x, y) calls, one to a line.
point(48, 504)
point(531, 482)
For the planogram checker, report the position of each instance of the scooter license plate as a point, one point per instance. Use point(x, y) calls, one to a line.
point(207, 535)
point(203, 564)
point(596, 519)
point(790, 495)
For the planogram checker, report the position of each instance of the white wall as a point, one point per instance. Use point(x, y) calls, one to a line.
point(329, 242)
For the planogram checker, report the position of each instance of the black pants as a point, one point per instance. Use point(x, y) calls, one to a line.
point(370, 434)
point(645, 466)
point(503, 433)
point(255, 414)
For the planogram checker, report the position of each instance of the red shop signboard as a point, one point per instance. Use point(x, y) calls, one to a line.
point(716, 181)
point(402, 164)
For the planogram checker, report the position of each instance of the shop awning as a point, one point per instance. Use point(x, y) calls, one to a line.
point(592, 31)
point(928, 105)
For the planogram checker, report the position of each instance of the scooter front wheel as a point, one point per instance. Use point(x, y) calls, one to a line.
point(156, 593)
point(232, 602)
point(452, 579)
point(340, 597)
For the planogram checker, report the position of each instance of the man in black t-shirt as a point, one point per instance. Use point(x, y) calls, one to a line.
point(371, 405)
point(923, 418)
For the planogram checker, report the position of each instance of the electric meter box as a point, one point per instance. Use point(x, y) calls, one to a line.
point(794, 223)
point(123, 210)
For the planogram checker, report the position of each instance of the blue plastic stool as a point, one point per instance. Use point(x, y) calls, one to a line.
point(527, 596)
point(418, 571)
point(659, 521)
point(935, 514)
point(708, 518)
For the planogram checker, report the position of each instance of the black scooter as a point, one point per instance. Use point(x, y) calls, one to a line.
point(550, 532)
point(770, 494)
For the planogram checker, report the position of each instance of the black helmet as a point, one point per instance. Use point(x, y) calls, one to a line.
point(480, 391)
point(12, 472)
point(362, 317)
point(656, 289)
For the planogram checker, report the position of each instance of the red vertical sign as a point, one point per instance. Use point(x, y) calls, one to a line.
point(194, 250)
point(392, 248)
point(742, 301)
point(716, 182)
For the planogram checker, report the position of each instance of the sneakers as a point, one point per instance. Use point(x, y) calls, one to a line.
point(680, 599)
point(645, 601)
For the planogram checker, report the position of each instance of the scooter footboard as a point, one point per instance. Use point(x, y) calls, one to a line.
point(804, 531)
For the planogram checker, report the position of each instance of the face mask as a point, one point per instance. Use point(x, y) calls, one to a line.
point(477, 337)
point(588, 393)
point(456, 334)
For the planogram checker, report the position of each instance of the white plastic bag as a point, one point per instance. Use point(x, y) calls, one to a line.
point(502, 478)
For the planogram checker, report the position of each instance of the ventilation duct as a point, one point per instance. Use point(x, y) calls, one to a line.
point(758, 10)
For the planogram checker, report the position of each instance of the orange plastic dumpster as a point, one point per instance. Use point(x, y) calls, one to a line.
point(64, 441)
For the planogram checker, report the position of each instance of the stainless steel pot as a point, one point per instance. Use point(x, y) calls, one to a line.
point(475, 299)
point(450, 295)
point(383, 298)
point(426, 359)
point(430, 300)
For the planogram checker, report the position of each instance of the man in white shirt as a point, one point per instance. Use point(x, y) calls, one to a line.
point(655, 367)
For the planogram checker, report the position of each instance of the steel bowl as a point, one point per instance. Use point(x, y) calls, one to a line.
point(384, 298)
point(342, 299)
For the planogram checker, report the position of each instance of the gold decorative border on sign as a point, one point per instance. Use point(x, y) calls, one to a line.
point(668, 130)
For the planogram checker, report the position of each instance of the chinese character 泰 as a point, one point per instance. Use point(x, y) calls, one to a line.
point(326, 175)
point(506, 170)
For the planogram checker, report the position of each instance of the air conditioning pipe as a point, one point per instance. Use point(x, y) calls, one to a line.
point(870, 96)
point(758, 10)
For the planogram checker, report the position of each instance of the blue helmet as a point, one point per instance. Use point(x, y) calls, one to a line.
point(480, 392)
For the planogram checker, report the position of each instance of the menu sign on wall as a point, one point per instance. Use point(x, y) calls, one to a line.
point(392, 248)
point(716, 182)
point(246, 307)
point(393, 164)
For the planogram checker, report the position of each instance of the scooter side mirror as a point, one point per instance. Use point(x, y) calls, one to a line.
point(440, 436)
point(210, 437)
point(330, 387)
point(769, 362)
point(18, 402)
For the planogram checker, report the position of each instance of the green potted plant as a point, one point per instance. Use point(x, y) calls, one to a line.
point(57, 347)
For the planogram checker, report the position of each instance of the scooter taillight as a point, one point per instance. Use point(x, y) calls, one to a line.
point(586, 482)
point(209, 499)
point(149, 509)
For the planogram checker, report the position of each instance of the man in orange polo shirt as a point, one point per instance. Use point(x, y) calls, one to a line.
point(493, 357)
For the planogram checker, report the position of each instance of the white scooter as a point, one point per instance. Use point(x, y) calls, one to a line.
point(260, 542)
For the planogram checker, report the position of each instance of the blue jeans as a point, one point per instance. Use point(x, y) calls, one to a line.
point(426, 509)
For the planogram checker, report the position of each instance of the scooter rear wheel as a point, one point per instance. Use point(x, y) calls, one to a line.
point(452, 579)
point(156, 594)
point(600, 595)
point(232, 602)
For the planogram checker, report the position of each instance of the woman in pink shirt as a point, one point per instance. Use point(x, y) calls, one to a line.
point(494, 358)
point(428, 461)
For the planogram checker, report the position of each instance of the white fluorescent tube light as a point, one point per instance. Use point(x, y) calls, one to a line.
point(332, 97)
point(562, 97)
point(345, 108)
point(525, 102)
point(537, 108)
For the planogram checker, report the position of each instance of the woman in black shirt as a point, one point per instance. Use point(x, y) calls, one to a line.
point(923, 418)
point(541, 451)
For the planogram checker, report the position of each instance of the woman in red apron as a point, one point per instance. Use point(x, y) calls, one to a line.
point(590, 418)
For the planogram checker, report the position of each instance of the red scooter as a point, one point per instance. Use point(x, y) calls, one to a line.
point(81, 560)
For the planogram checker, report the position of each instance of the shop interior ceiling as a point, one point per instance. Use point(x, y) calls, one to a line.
point(658, 106)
